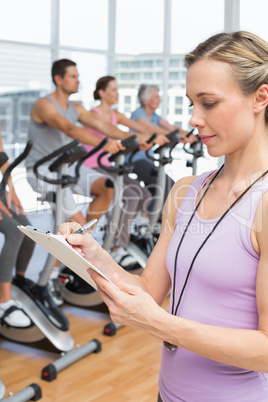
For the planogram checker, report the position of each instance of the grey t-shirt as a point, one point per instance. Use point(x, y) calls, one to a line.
point(47, 139)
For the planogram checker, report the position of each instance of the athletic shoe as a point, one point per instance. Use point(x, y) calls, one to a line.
point(53, 288)
point(123, 258)
point(11, 313)
point(142, 225)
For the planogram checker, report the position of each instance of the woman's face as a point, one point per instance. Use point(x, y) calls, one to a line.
point(110, 93)
point(154, 101)
point(222, 114)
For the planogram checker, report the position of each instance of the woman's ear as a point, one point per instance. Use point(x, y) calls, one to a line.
point(260, 100)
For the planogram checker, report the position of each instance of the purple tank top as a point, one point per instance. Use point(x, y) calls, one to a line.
point(221, 291)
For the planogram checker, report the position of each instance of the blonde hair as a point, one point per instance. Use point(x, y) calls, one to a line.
point(245, 52)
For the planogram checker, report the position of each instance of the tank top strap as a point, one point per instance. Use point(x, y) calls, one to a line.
point(189, 201)
point(95, 109)
point(71, 112)
point(113, 117)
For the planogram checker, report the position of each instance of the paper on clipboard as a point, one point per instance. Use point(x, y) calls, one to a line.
point(60, 249)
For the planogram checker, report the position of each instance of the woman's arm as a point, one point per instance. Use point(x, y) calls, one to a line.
point(156, 265)
point(165, 128)
point(182, 133)
point(44, 111)
point(105, 128)
point(91, 119)
point(243, 348)
point(148, 126)
point(141, 125)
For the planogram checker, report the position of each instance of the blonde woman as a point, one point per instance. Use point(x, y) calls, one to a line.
point(212, 252)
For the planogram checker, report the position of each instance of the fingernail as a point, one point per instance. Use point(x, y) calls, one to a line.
point(116, 277)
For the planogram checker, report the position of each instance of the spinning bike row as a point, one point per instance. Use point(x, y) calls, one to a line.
point(47, 319)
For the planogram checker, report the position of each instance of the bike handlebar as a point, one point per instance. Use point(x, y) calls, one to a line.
point(195, 149)
point(173, 141)
point(3, 158)
point(14, 164)
point(54, 154)
point(89, 154)
point(131, 144)
point(133, 153)
point(67, 154)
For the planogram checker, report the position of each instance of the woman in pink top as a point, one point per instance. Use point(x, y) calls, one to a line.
point(136, 198)
point(106, 92)
point(212, 252)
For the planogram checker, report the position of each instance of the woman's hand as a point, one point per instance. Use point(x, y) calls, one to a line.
point(130, 305)
point(12, 198)
point(5, 210)
point(192, 138)
point(86, 245)
point(144, 146)
point(113, 146)
point(161, 140)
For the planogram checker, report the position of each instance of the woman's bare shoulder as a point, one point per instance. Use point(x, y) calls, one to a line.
point(183, 184)
point(176, 196)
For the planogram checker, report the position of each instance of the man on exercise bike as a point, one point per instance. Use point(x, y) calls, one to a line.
point(53, 124)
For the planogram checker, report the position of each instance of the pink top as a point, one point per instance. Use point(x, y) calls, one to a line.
point(92, 162)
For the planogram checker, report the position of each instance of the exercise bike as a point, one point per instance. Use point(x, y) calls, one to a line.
point(143, 241)
point(33, 391)
point(48, 320)
point(76, 291)
point(142, 244)
point(196, 150)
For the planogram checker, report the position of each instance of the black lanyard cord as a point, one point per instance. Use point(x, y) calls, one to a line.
point(183, 235)
point(209, 235)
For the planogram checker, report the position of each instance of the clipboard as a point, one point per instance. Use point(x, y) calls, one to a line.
point(61, 249)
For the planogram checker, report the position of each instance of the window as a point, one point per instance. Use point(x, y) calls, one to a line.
point(127, 99)
point(139, 26)
point(84, 24)
point(176, 63)
point(148, 63)
point(158, 63)
point(24, 67)
point(173, 75)
point(178, 100)
point(253, 17)
point(148, 76)
point(25, 21)
point(192, 23)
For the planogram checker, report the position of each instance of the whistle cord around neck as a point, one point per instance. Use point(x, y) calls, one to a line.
point(206, 239)
point(183, 235)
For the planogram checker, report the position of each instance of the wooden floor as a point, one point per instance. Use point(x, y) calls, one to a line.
point(126, 369)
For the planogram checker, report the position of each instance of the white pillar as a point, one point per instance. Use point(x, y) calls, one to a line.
point(111, 37)
point(166, 55)
point(231, 24)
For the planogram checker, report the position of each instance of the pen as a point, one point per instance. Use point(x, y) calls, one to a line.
point(86, 226)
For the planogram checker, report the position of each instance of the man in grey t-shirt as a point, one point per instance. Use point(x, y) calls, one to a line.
point(53, 124)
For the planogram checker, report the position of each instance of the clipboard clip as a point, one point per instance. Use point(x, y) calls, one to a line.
point(37, 230)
